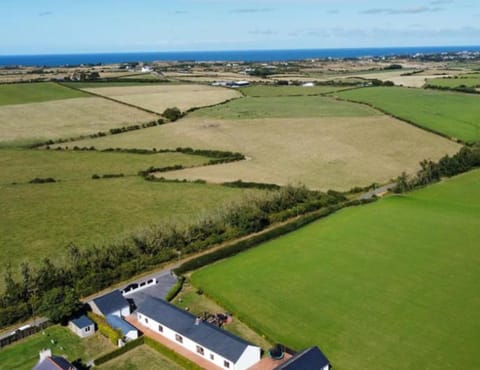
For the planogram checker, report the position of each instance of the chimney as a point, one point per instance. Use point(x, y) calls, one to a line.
point(44, 353)
point(197, 321)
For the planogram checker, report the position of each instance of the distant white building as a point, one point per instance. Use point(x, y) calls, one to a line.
point(147, 69)
point(213, 344)
point(308, 84)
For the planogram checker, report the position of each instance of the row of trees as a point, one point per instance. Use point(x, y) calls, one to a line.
point(466, 159)
point(53, 290)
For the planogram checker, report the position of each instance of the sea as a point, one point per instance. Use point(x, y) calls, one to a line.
point(57, 60)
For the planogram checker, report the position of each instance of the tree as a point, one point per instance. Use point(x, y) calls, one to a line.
point(59, 304)
point(172, 114)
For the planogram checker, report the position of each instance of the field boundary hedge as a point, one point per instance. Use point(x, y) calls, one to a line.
point(171, 355)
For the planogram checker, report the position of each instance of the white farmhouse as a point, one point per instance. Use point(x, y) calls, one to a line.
point(216, 345)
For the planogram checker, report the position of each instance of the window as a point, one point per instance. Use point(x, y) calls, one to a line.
point(226, 364)
point(160, 328)
point(87, 328)
point(146, 320)
point(178, 338)
point(139, 316)
point(212, 357)
point(200, 350)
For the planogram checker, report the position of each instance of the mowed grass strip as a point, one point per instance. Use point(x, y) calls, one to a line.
point(284, 107)
point(40, 220)
point(21, 166)
point(266, 91)
point(24, 354)
point(24, 93)
point(28, 123)
point(391, 285)
point(158, 97)
point(452, 114)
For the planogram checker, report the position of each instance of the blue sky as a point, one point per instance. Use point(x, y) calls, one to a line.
point(65, 26)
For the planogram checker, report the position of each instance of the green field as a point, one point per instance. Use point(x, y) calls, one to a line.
point(269, 91)
point(453, 114)
point(21, 166)
point(463, 81)
point(391, 285)
point(23, 355)
point(35, 93)
point(140, 358)
point(42, 219)
point(284, 107)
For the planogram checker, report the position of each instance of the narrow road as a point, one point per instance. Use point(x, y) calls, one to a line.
point(377, 191)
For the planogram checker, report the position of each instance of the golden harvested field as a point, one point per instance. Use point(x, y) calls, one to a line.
point(159, 97)
point(65, 118)
point(323, 153)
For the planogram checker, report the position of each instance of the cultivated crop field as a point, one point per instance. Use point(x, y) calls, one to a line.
point(26, 123)
point(40, 220)
point(390, 285)
point(325, 144)
point(159, 97)
point(448, 113)
point(36, 92)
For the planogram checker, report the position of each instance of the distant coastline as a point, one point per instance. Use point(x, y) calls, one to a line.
point(56, 60)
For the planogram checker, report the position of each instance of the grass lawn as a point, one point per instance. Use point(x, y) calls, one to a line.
point(23, 355)
point(35, 93)
point(140, 358)
point(452, 114)
point(269, 91)
point(391, 285)
point(284, 107)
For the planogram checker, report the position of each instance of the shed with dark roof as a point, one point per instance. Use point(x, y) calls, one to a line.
point(82, 326)
point(208, 341)
point(112, 303)
point(309, 359)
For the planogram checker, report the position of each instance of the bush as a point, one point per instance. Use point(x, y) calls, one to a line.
point(172, 114)
point(172, 293)
point(105, 329)
point(38, 180)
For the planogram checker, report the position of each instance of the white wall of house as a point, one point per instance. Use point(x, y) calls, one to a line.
point(131, 335)
point(82, 332)
point(248, 358)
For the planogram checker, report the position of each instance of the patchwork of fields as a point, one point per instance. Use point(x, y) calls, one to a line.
point(159, 97)
point(318, 141)
point(448, 113)
point(371, 284)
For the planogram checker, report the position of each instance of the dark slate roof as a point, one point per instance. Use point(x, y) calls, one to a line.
point(118, 323)
point(310, 359)
point(111, 302)
point(209, 336)
point(82, 322)
point(54, 363)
